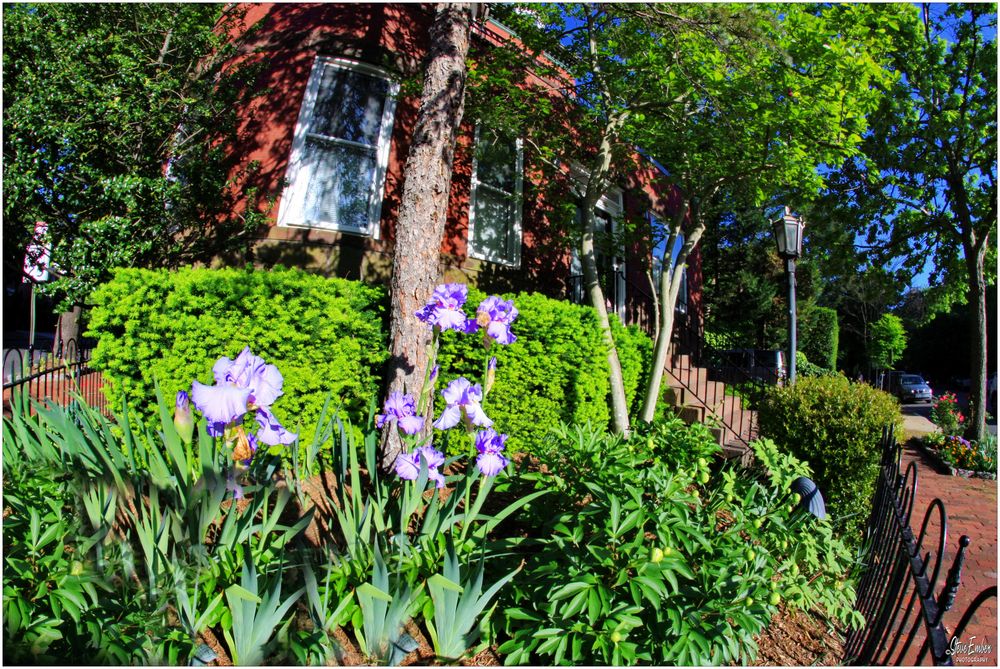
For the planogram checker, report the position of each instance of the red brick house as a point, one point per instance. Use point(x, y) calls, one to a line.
point(330, 137)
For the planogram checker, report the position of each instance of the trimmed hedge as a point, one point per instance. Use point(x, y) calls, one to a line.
point(836, 426)
point(555, 372)
point(819, 334)
point(325, 335)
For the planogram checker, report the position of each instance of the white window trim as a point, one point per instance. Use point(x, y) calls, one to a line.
point(515, 260)
point(290, 210)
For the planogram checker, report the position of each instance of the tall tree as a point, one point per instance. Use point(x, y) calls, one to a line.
point(888, 342)
point(424, 206)
point(740, 102)
point(926, 186)
point(98, 100)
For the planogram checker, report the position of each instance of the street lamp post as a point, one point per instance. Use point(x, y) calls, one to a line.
point(788, 236)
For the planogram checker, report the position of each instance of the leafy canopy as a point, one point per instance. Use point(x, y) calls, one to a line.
point(98, 100)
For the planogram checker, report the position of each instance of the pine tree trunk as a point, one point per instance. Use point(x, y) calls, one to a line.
point(424, 206)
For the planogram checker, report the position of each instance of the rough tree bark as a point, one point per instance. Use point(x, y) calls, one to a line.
point(424, 205)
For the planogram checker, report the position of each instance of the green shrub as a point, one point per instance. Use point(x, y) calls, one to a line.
point(640, 561)
point(805, 368)
point(325, 335)
point(555, 372)
point(836, 426)
point(819, 336)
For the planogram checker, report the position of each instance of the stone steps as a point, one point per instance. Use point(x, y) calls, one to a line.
point(696, 398)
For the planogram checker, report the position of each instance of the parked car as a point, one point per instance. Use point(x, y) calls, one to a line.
point(913, 388)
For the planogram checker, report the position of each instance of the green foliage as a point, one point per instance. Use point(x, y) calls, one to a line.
point(159, 533)
point(836, 426)
point(819, 336)
point(555, 372)
point(888, 341)
point(640, 561)
point(325, 335)
point(99, 99)
point(805, 368)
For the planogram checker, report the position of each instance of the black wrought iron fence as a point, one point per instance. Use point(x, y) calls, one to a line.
point(59, 376)
point(729, 378)
point(899, 594)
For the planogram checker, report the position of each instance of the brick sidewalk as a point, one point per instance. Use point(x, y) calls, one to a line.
point(971, 506)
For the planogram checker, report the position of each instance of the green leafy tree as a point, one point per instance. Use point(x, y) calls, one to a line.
point(925, 189)
point(888, 341)
point(740, 102)
point(115, 121)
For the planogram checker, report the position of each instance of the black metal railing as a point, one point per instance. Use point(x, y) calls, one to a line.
point(723, 375)
point(898, 594)
point(59, 376)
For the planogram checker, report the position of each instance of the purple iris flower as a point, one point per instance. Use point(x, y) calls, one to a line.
point(444, 309)
point(496, 315)
point(403, 409)
point(408, 464)
point(250, 371)
point(490, 446)
point(462, 398)
point(244, 384)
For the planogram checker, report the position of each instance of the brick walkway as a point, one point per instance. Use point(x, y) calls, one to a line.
point(971, 506)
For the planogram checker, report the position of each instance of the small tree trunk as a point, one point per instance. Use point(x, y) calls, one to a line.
point(588, 259)
point(424, 205)
point(669, 289)
point(619, 403)
point(68, 333)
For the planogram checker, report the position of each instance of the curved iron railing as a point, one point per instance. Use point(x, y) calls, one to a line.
point(899, 594)
point(57, 376)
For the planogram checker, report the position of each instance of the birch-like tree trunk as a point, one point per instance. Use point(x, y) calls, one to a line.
point(424, 206)
point(671, 279)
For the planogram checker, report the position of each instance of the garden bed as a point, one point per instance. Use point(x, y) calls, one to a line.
point(942, 466)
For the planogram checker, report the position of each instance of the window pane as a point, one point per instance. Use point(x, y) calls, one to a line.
point(496, 162)
point(339, 185)
point(349, 105)
point(492, 227)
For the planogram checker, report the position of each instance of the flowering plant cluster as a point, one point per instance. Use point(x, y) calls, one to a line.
point(245, 388)
point(947, 416)
point(463, 398)
point(970, 455)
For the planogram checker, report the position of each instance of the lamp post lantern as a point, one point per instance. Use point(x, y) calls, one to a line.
point(788, 236)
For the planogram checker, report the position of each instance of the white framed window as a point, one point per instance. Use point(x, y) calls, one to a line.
point(496, 198)
point(340, 151)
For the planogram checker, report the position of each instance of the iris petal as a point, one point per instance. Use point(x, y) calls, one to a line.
point(271, 431)
point(449, 418)
point(491, 463)
point(411, 424)
point(221, 403)
point(408, 466)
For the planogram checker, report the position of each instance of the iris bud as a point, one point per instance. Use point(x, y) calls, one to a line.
point(183, 420)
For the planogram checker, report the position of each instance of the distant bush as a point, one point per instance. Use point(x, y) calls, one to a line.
point(819, 334)
point(805, 368)
point(555, 372)
point(836, 426)
point(325, 335)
